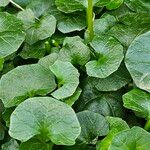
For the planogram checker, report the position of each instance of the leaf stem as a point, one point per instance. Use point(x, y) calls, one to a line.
point(18, 6)
point(90, 19)
point(147, 125)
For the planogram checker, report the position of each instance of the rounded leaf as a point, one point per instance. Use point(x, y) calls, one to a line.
point(42, 116)
point(138, 61)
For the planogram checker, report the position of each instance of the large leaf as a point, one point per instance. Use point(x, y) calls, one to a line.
point(41, 29)
point(133, 139)
point(11, 35)
point(138, 61)
point(115, 125)
point(110, 55)
point(114, 4)
point(138, 101)
point(25, 81)
point(74, 51)
point(106, 105)
point(41, 116)
point(67, 78)
point(113, 82)
point(92, 126)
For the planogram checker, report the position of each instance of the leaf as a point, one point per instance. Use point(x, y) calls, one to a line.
point(116, 125)
point(10, 145)
point(113, 82)
point(25, 81)
point(67, 78)
point(114, 4)
point(110, 56)
point(41, 116)
point(11, 34)
point(79, 147)
point(108, 104)
point(137, 61)
point(92, 126)
point(4, 3)
point(70, 23)
point(36, 50)
point(74, 51)
point(102, 25)
point(35, 144)
point(135, 138)
point(138, 5)
point(48, 60)
point(41, 30)
point(138, 101)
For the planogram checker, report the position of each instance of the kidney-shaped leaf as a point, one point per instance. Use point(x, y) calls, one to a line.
point(4, 3)
point(11, 34)
point(132, 139)
point(25, 81)
point(138, 101)
point(92, 126)
point(138, 61)
point(110, 56)
point(67, 78)
point(42, 116)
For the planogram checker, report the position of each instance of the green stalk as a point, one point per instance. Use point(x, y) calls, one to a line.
point(90, 19)
point(147, 125)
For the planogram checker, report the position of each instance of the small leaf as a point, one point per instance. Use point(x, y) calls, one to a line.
point(138, 101)
point(41, 116)
point(115, 125)
point(67, 77)
point(25, 81)
point(74, 51)
point(110, 56)
point(92, 126)
point(114, 4)
point(138, 60)
point(11, 145)
point(41, 29)
point(132, 139)
point(4, 3)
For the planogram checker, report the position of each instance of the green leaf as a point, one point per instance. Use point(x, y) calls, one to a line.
point(110, 56)
point(25, 81)
point(92, 126)
point(42, 29)
point(11, 34)
point(36, 50)
point(138, 101)
point(10, 145)
point(102, 25)
point(132, 139)
point(70, 23)
point(67, 78)
point(4, 3)
point(79, 147)
point(138, 5)
point(35, 144)
point(115, 125)
point(41, 116)
point(74, 51)
point(137, 61)
point(113, 82)
point(114, 4)
point(108, 104)
point(48, 60)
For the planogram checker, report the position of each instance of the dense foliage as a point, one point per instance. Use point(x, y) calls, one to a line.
point(75, 74)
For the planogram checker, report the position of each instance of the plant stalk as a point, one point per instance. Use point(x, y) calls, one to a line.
point(18, 6)
point(147, 125)
point(90, 19)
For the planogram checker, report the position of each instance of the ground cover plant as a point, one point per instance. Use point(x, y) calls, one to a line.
point(75, 74)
